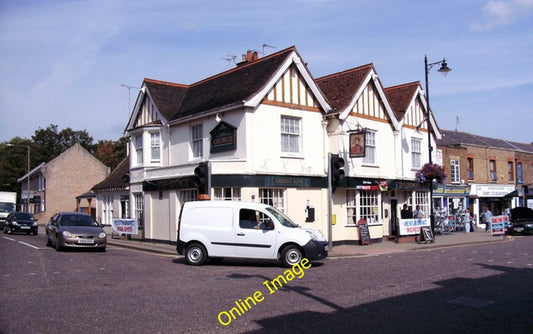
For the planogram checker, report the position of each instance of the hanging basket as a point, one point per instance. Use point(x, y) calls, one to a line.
point(431, 172)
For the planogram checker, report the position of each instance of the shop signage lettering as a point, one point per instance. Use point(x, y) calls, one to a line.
point(412, 226)
point(223, 138)
point(125, 226)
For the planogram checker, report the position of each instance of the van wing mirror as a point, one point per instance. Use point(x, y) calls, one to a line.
point(269, 225)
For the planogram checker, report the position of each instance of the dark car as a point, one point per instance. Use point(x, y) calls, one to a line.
point(75, 230)
point(521, 221)
point(20, 222)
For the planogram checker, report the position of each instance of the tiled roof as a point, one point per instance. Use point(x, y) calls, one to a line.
point(167, 96)
point(118, 179)
point(340, 88)
point(400, 97)
point(452, 138)
point(233, 86)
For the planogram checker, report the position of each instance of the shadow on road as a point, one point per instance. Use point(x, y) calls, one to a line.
point(495, 304)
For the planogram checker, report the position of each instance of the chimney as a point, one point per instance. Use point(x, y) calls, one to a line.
point(249, 57)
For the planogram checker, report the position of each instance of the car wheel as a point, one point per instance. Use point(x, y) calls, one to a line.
point(195, 254)
point(48, 242)
point(291, 255)
point(58, 246)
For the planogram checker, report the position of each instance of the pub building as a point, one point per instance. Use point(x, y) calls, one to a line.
point(266, 130)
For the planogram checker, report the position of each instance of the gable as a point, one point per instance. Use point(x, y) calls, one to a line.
point(370, 105)
point(147, 114)
point(415, 115)
point(292, 91)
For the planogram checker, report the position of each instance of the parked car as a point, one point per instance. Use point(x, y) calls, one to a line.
point(521, 221)
point(20, 222)
point(75, 230)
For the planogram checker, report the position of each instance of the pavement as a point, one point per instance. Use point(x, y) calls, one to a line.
point(405, 244)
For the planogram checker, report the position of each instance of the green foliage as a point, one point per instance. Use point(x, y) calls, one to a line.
point(45, 145)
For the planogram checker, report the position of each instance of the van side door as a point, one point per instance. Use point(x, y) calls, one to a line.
point(255, 235)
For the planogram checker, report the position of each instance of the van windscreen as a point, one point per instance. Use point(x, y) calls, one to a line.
point(282, 218)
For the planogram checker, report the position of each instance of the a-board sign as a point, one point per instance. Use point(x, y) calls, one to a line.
point(364, 233)
point(426, 235)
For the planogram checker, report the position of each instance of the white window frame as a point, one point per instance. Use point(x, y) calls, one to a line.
point(363, 204)
point(107, 210)
point(138, 206)
point(197, 141)
point(155, 147)
point(138, 144)
point(227, 194)
point(455, 171)
point(370, 148)
point(291, 135)
point(416, 153)
point(274, 197)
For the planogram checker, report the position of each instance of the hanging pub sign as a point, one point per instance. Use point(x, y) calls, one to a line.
point(223, 138)
point(357, 144)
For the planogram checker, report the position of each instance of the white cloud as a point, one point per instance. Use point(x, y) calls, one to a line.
point(498, 13)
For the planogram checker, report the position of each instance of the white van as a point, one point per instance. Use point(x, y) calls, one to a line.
point(219, 229)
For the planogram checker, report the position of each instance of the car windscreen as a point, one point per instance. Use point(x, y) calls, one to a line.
point(23, 215)
point(78, 221)
point(282, 218)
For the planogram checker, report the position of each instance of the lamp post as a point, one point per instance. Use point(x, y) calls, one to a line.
point(28, 174)
point(444, 69)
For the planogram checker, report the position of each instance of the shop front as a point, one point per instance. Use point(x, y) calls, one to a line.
point(492, 196)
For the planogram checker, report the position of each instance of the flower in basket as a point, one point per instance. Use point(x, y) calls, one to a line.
point(430, 172)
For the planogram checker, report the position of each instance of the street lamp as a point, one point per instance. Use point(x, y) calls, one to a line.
point(444, 69)
point(28, 174)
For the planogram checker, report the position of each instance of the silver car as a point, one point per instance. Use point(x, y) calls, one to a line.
point(75, 230)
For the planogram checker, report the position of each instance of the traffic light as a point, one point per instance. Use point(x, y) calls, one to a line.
point(202, 178)
point(336, 171)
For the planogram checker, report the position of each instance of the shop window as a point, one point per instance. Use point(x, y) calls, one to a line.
point(138, 207)
point(363, 204)
point(227, 194)
point(273, 197)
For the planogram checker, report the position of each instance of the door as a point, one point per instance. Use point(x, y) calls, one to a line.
point(255, 235)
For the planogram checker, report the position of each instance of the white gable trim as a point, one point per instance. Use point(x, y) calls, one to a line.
point(254, 101)
point(434, 126)
point(371, 77)
point(137, 108)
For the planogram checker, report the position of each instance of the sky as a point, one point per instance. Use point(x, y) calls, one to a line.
point(70, 63)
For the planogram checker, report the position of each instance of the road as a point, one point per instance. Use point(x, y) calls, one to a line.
point(469, 289)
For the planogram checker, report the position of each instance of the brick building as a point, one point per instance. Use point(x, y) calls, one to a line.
point(493, 172)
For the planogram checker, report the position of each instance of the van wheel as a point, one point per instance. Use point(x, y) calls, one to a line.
point(291, 255)
point(195, 254)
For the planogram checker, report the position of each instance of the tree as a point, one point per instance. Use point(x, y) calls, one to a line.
point(111, 153)
point(53, 142)
point(14, 163)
